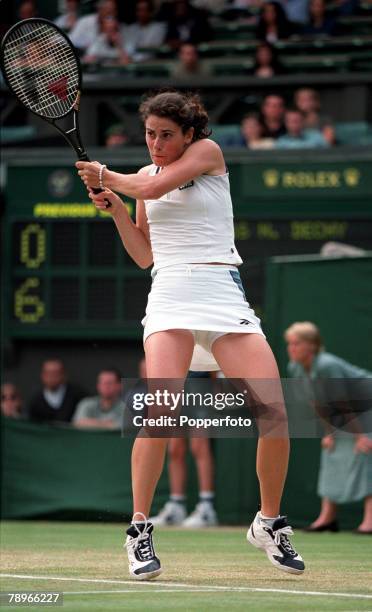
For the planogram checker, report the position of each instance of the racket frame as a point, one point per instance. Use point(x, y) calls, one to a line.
point(72, 135)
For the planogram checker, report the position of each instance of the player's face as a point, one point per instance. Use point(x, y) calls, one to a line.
point(165, 140)
point(299, 350)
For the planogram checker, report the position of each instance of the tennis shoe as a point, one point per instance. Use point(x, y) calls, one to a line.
point(204, 515)
point(173, 513)
point(273, 539)
point(143, 562)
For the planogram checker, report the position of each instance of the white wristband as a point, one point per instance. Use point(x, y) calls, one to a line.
point(100, 175)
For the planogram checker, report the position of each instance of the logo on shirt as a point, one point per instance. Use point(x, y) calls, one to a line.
point(186, 185)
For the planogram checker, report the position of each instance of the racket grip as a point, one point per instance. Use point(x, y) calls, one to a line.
point(83, 156)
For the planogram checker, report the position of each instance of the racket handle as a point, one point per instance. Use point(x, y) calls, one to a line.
point(83, 156)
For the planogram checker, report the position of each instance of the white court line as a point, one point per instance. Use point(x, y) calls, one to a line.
point(192, 586)
point(199, 590)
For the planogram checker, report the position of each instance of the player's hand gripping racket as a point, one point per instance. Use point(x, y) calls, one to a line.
point(42, 69)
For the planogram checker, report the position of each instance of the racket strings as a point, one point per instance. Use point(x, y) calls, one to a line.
point(42, 69)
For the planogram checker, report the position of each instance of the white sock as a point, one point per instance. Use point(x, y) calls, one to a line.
point(268, 519)
point(206, 496)
point(178, 498)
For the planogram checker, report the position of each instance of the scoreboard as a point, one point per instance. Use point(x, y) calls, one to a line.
point(67, 275)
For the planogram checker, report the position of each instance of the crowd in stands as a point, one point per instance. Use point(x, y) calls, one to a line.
point(275, 125)
point(57, 401)
point(114, 33)
point(172, 35)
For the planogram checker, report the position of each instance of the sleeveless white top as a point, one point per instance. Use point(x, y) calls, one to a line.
point(193, 223)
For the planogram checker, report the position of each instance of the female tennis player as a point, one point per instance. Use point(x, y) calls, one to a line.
point(197, 315)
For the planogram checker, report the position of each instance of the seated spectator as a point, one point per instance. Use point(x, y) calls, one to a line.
point(57, 399)
point(88, 28)
point(266, 61)
point(273, 24)
point(116, 136)
point(11, 401)
point(307, 100)
point(272, 116)
point(297, 11)
point(297, 137)
point(105, 410)
point(319, 23)
point(145, 32)
point(27, 9)
point(252, 131)
point(185, 23)
point(189, 64)
point(108, 48)
point(70, 15)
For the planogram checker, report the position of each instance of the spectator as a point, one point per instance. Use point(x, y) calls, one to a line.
point(308, 102)
point(87, 28)
point(319, 23)
point(108, 48)
point(57, 399)
point(116, 136)
point(27, 9)
point(346, 460)
point(185, 23)
point(252, 131)
point(68, 19)
point(145, 32)
point(11, 401)
point(273, 24)
point(266, 61)
point(189, 64)
point(297, 11)
point(272, 116)
point(297, 137)
point(105, 410)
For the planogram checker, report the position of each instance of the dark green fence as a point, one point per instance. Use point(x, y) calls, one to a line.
point(67, 473)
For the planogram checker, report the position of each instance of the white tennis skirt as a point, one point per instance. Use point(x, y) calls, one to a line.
point(208, 300)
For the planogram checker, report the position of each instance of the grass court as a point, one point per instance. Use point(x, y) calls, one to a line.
point(203, 570)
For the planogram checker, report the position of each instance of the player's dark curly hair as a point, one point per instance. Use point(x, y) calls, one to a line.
point(185, 109)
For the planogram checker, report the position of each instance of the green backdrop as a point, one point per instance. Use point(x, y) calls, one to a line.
point(336, 294)
point(65, 473)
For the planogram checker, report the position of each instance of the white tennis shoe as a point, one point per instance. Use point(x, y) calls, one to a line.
point(204, 515)
point(173, 513)
point(273, 540)
point(143, 563)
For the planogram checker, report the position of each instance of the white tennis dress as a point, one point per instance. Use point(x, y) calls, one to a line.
point(190, 227)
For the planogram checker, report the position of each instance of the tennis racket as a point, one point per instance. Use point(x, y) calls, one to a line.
point(43, 71)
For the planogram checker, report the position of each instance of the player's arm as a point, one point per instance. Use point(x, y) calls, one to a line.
point(135, 236)
point(201, 157)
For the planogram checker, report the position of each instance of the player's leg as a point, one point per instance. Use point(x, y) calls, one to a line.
point(204, 514)
point(249, 357)
point(174, 511)
point(168, 356)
